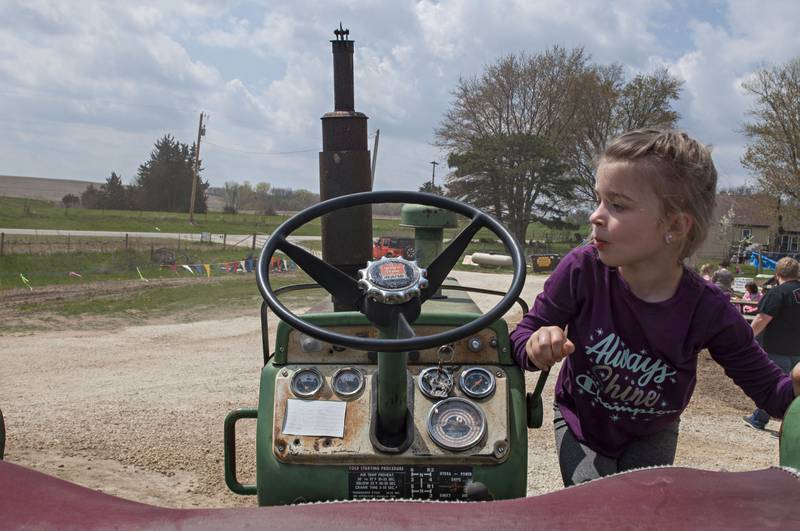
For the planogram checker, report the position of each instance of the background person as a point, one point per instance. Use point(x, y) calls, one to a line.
point(723, 278)
point(778, 320)
point(637, 317)
point(751, 293)
point(707, 271)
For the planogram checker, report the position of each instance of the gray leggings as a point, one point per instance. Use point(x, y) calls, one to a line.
point(580, 463)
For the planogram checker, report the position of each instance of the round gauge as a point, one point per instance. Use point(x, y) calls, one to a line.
point(435, 382)
point(347, 382)
point(477, 382)
point(456, 424)
point(307, 382)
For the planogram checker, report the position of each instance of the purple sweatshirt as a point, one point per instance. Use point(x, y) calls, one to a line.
point(635, 363)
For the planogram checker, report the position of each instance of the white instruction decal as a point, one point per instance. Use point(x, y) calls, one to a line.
point(318, 418)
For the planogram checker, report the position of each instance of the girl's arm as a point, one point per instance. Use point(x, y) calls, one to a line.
point(732, 345)
point(551, 311)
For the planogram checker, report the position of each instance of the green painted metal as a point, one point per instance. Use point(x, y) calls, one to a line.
point(230, 450)
point(429, 224)
point(426, 216)
point(392, 407)
point(790, 436)
point(451, 319)
point(280, 483)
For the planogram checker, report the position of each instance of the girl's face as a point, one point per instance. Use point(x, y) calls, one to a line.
point(626, 225)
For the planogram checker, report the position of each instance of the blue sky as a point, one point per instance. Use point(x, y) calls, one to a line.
point(87, 87)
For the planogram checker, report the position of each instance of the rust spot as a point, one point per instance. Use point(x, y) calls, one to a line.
point(281, 448)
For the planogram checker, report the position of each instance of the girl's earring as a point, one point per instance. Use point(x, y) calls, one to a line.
point(668, 238)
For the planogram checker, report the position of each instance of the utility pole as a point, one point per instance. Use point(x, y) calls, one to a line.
point(375, 155)
point(201, 131)
point(433, 174)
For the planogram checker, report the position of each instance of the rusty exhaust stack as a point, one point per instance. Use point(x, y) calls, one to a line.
point(344, 168)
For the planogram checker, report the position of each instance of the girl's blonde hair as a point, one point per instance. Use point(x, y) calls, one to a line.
point(685, 176)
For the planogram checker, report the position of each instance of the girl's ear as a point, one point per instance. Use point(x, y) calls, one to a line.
point(679, 224)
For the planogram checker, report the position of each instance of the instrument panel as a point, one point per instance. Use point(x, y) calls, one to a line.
point(480, 348)
point(463, 422)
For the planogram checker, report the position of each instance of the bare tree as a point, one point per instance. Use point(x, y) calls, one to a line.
point(773, 152)
point(557, 97)
point(521, 96)
point(610, 107)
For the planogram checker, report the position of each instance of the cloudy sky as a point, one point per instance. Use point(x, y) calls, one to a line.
point(87, 87)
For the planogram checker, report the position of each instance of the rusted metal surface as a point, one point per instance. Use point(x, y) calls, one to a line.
point(344, 168)
point(355, 447)
point(335, 354)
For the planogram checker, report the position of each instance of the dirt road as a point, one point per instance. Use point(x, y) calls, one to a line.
point(138, 411)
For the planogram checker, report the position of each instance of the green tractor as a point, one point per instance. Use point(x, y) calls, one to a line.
point(394, 399)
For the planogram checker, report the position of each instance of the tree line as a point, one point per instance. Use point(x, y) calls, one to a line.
point(263, 199)
point(163, 183)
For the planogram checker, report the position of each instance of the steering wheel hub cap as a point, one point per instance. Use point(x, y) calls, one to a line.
point(392, 280)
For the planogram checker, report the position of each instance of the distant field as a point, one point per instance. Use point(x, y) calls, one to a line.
point(55, 189)
point(41, 188)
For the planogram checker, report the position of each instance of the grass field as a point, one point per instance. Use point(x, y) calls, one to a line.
point(49, 260)
point(35, 214)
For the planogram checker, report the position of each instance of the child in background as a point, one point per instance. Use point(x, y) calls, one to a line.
point(628, 319)
point(707, 271)
point(751, 293)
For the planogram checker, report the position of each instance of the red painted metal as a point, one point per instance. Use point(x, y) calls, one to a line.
point(660, 498)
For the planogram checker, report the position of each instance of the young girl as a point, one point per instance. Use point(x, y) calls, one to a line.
point(628, 318)
point(751, 293)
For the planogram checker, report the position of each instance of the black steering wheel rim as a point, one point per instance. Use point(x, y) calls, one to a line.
point(281, 234)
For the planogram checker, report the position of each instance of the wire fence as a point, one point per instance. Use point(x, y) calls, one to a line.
point(11, 244)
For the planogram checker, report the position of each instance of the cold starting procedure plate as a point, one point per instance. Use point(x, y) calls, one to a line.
point(409, 482)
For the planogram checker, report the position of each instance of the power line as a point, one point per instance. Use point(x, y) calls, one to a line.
point(262, 152)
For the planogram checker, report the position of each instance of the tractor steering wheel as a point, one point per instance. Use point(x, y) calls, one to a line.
point(346, 289)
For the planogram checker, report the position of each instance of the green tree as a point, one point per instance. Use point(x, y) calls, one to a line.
point(232, 197)
point(69, 201)
point(518, 177)
point(113, 194)
point(430, 188)
point(164, 182)
point(90, 198)
point(558, 96)
point(773, 151)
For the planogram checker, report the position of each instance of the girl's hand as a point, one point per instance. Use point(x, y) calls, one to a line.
point(795, 379)
point(549, 345)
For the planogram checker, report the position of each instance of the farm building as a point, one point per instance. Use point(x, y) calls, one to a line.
point(758, 218)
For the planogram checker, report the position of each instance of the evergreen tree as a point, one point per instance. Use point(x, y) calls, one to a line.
point(165, 181)
point(113, 194)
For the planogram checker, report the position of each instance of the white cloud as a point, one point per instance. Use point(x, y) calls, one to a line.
point(120, 75)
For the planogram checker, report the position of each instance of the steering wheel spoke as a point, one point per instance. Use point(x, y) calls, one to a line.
point(448, 258)
point(337, 283)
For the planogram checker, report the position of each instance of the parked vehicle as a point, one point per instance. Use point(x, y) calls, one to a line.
point(393, 246)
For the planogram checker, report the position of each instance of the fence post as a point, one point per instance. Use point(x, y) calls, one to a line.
point(2, 242)
point(179, 241)
point(126, 241)
point(67, 243)
point(253, 247)
point(224, 239)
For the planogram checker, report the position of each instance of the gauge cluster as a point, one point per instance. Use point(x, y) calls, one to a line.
point(308, 382)
point(459, 410)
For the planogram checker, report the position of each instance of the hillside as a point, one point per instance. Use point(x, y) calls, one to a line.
point(41, 188)
point(55, 189)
